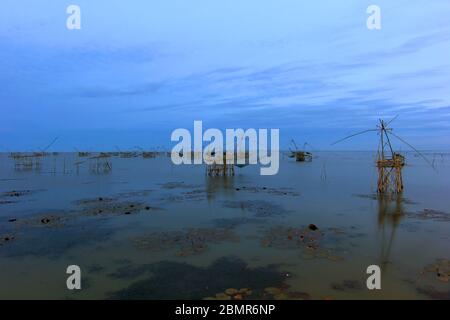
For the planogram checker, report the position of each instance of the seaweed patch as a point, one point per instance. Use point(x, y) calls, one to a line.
point(112, 207)
point(186, 242)
point(231, 223)
point(18, 193)
point(434, 294)
point(49, 220)
point(6, 239)
point(268, 190)
point(258, 207)
point(348, 285)
point(193, 195)
point(173, 280)
point(429, 214)
point(311, 240)
point(177, 185)
point(440, 269)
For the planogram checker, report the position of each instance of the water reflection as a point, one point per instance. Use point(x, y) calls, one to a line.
point(219, 185)
point(390, 214)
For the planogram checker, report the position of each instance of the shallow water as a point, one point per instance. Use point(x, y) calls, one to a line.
point(150, 229)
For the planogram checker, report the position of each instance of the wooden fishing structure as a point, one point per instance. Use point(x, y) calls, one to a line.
point(82, 154)
point(389, 163)
point(303, 156)
point(26, 161)
point(100, 163)
point(148, 154)
point(300, 155)
point(30, 160)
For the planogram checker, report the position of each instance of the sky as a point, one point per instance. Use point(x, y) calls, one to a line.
point(137, 70)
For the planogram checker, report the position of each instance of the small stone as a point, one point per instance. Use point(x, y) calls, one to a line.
point(6, 238)
point(313, 227)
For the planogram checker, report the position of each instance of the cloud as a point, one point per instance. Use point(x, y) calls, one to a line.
point(99, 92)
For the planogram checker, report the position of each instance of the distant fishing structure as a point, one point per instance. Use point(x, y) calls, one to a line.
point(100, 163)
point(389, 163)
point(226, 168)
point(300, 155)
point(213, 169)
point(229, 161)
point(30, 161)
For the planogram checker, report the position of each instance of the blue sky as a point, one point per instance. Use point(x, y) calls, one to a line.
point(139, 69)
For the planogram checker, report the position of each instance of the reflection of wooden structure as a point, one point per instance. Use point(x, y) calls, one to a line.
point(218, 186)
point(100, 164)
point(390, 213)
point(389, 163)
